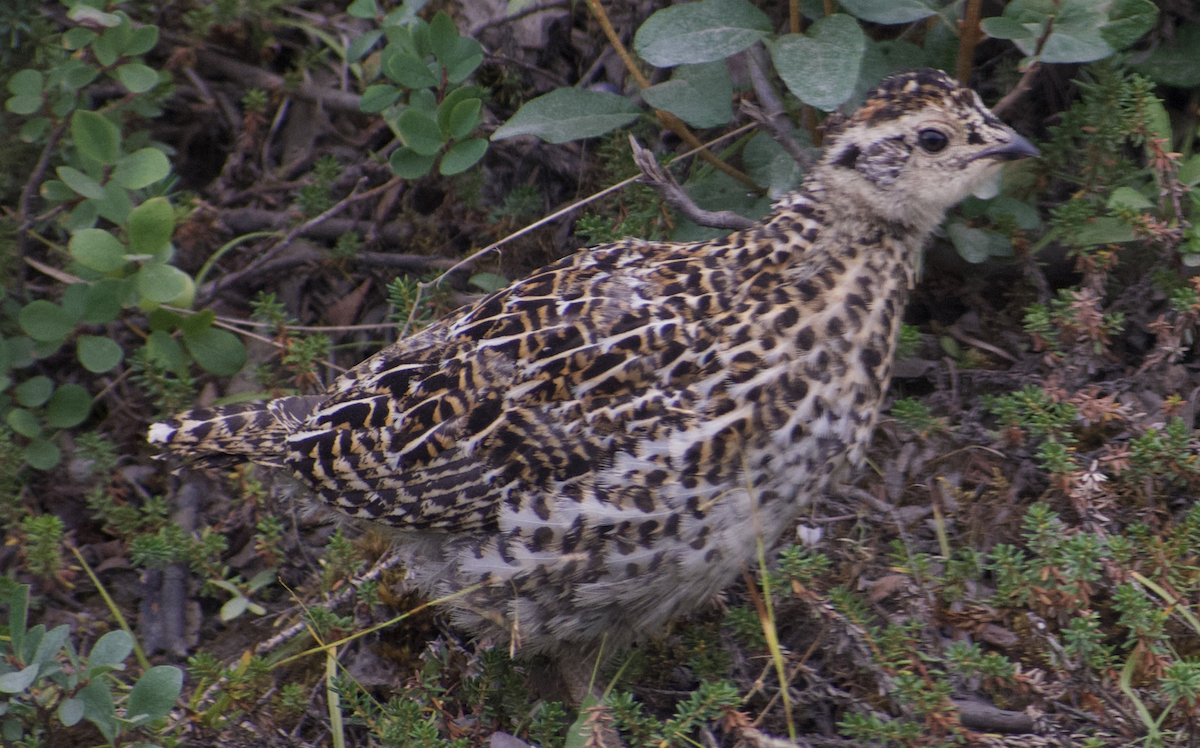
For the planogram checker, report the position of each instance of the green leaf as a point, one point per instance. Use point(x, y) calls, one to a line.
point(78, 38)
point(165, 351)
point(488, 282)
point(408, 164)
point(26, 83)
point(1026, 216)
point(18, 681)
point(1129, 199)
point(96, 137)
point(26, 87)
point(113, 43)
point(1178, 63)
point(42, 454)
point(1103, 230)
point(700, 95)
point(464, 118)
point(142, 40)
point(116, 205)
point(51, 643)
point(217, 351)
point(468, 56)
point(70, 406)
point(70, 711)
point(33, 130)
point(136, 77)
point(161, 283)
point(978, 245)
point(97, 249)
point(890, 11)
point(362, 45)
point(234, 607)
point(34, 391)
point(97, 354)
point(704, 31)
point(463, 156)
point(98, 707)
point(105, 300)
point(46, 321)
point(1128, 20)
point(151, 225)
point(23, 105)
point(443, 38)
point(420, 132)
point(24, 423)
point(409, 71)
point(366, 9)
point(567, 114)
point(771, 166)
point(109, 653)
point(1075, 45)
point(81, 183)
point(56, 191)
point(378, 98)
point(999, 27)
point(141, 168)
point(1189, 171)
point(154, 694)
point(821, 67)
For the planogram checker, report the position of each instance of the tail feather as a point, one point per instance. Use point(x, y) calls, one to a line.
point(255, 432)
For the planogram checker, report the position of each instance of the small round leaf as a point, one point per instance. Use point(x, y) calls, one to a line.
point(161, 283)
point(217, 351)
point(81, 183)
point(408, 164)
point(23, 422)
point(463, 156)
point(136, 77)
point(45, 321)
point(154, 694)
point(42, 454)
point(420, 132)
point(70, 711)
point(97, 354)
point(69, 407)
point(109, 653)
point(141, 168)
point(96, 136)
point(150, 226)
point(34, 391)
point(97, 249)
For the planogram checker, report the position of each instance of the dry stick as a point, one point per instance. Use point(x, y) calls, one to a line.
point(212, 289)
point(968, 38)
point(1026, 81)
point(794, 16)
point(670, 121)
point(556, 5)
point(31, 186)
point(423, 285)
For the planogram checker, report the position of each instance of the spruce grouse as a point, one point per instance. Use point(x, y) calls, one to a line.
point(599, 447)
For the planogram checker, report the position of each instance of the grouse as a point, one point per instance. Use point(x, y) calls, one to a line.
point(600, 447)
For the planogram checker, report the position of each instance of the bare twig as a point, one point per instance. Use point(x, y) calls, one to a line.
point(968, 38)
point(523, 13)
point(35, 178)
point(251, 76)
point(1018, 91)
point(772, 116)
point(212, 289)
point(670, 190)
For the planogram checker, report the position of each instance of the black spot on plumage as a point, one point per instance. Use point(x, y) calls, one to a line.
point(849, 157)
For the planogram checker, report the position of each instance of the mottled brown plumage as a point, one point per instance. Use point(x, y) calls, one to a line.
point(601, 445)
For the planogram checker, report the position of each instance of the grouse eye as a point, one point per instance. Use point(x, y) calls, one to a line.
point(933, 140)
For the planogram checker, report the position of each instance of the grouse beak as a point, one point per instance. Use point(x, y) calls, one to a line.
point(1015, 149)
